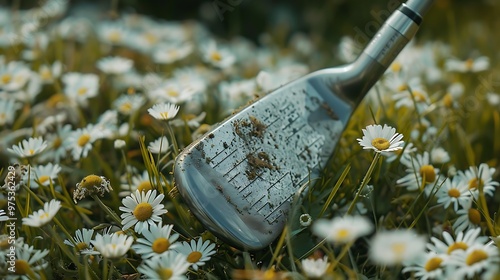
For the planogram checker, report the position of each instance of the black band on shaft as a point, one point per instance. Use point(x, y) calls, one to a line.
point(411, 14)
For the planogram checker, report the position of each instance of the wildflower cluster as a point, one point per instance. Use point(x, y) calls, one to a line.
point(94, 111)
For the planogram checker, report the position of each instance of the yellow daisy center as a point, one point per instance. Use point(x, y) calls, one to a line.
point(151, 38)
point(4, 244)
point(419, 97)
point(172, 93)
point(31, 151)
point(457, 246)
point(448, 100)
point(474, 183)
point(160, 245)
point(342, 233)
point(380, 143)
point(81, 246)
point(114, 36)
point(433, 264)
point(427, 172)
point(403, 87)
point(3, 116)
point(269, 274)
point(55, 99)
point(91, 181)
point(143, 211)
point(454, 193)
point(125, 107)
point(216, 56)
point(474, 216)
point(6, 78)
point(45, 215)
point(144, 186)
point(469, 63)
point(398, 249)
point(57, 142)
point(165, 273)
point(164, 115)
point(43, 179)
point(475, 257)
point(194, 257)
point(22, 267)
point(396, 67)
point(46, 74)
point(83, 140)
point(82, 91)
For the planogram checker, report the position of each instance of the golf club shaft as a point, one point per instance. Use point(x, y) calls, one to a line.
point(355, 80)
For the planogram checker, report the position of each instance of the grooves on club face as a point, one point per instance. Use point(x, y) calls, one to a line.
point(239, 179)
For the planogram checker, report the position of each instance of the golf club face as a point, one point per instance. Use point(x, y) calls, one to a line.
point(240, 178)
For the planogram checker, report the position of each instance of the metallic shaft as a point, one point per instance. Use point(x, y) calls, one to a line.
point(419, 6)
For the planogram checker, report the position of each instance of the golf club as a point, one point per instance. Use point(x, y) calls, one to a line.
point(239, 179)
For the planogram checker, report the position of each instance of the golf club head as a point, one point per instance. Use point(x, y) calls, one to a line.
point(240, 178)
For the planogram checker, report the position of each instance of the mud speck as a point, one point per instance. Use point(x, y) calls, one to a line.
point(257, 163)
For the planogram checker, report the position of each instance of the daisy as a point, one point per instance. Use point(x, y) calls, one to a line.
point(57, 144)
point(191, 79)
point(423, 131)
point(140, 182)
point(168, 53)
point(305, 220)
point(80, 141)
point(128, 104)
point(80, 87)
point(470, 65)
point(315, 268)
point(396, 247)
point(481, 176)
point(142, 209)
point(119, 144)
point(29, 261)
point(406, 152)
point(157, 241)
point(196, 252)
point(190, 120)
point(43, 175)
point(43, 216)
point(48, 73)
point(474, 260)
point(82, 241)
point(439, 156)
point(14, 76)
point(91, 184)
point(159, 146)
point(114, 245)
point(172, 91)
point(453, 191)
point(8, 108)
point(51, 122)
point(106, 125)
point(268, 81)
point(427, 266)
point(348, 49)
point(342, 229)
point(414, 96)
point(237, 93)
point(468, 218)
point(170, 266)
point(381, 139)
point(29, 148)
point(460, 242)
point(113, 33)
point(453, 93)
point(114, 65)
point(420, 173)
point(217, 56)
point(164, 111)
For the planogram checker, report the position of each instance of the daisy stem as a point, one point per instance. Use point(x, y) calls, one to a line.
point(365, 181)
point(54, 235)
point(173, 139)
point(484, 208)
point(106, 209)
point(105, 269)
point(342, 253)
